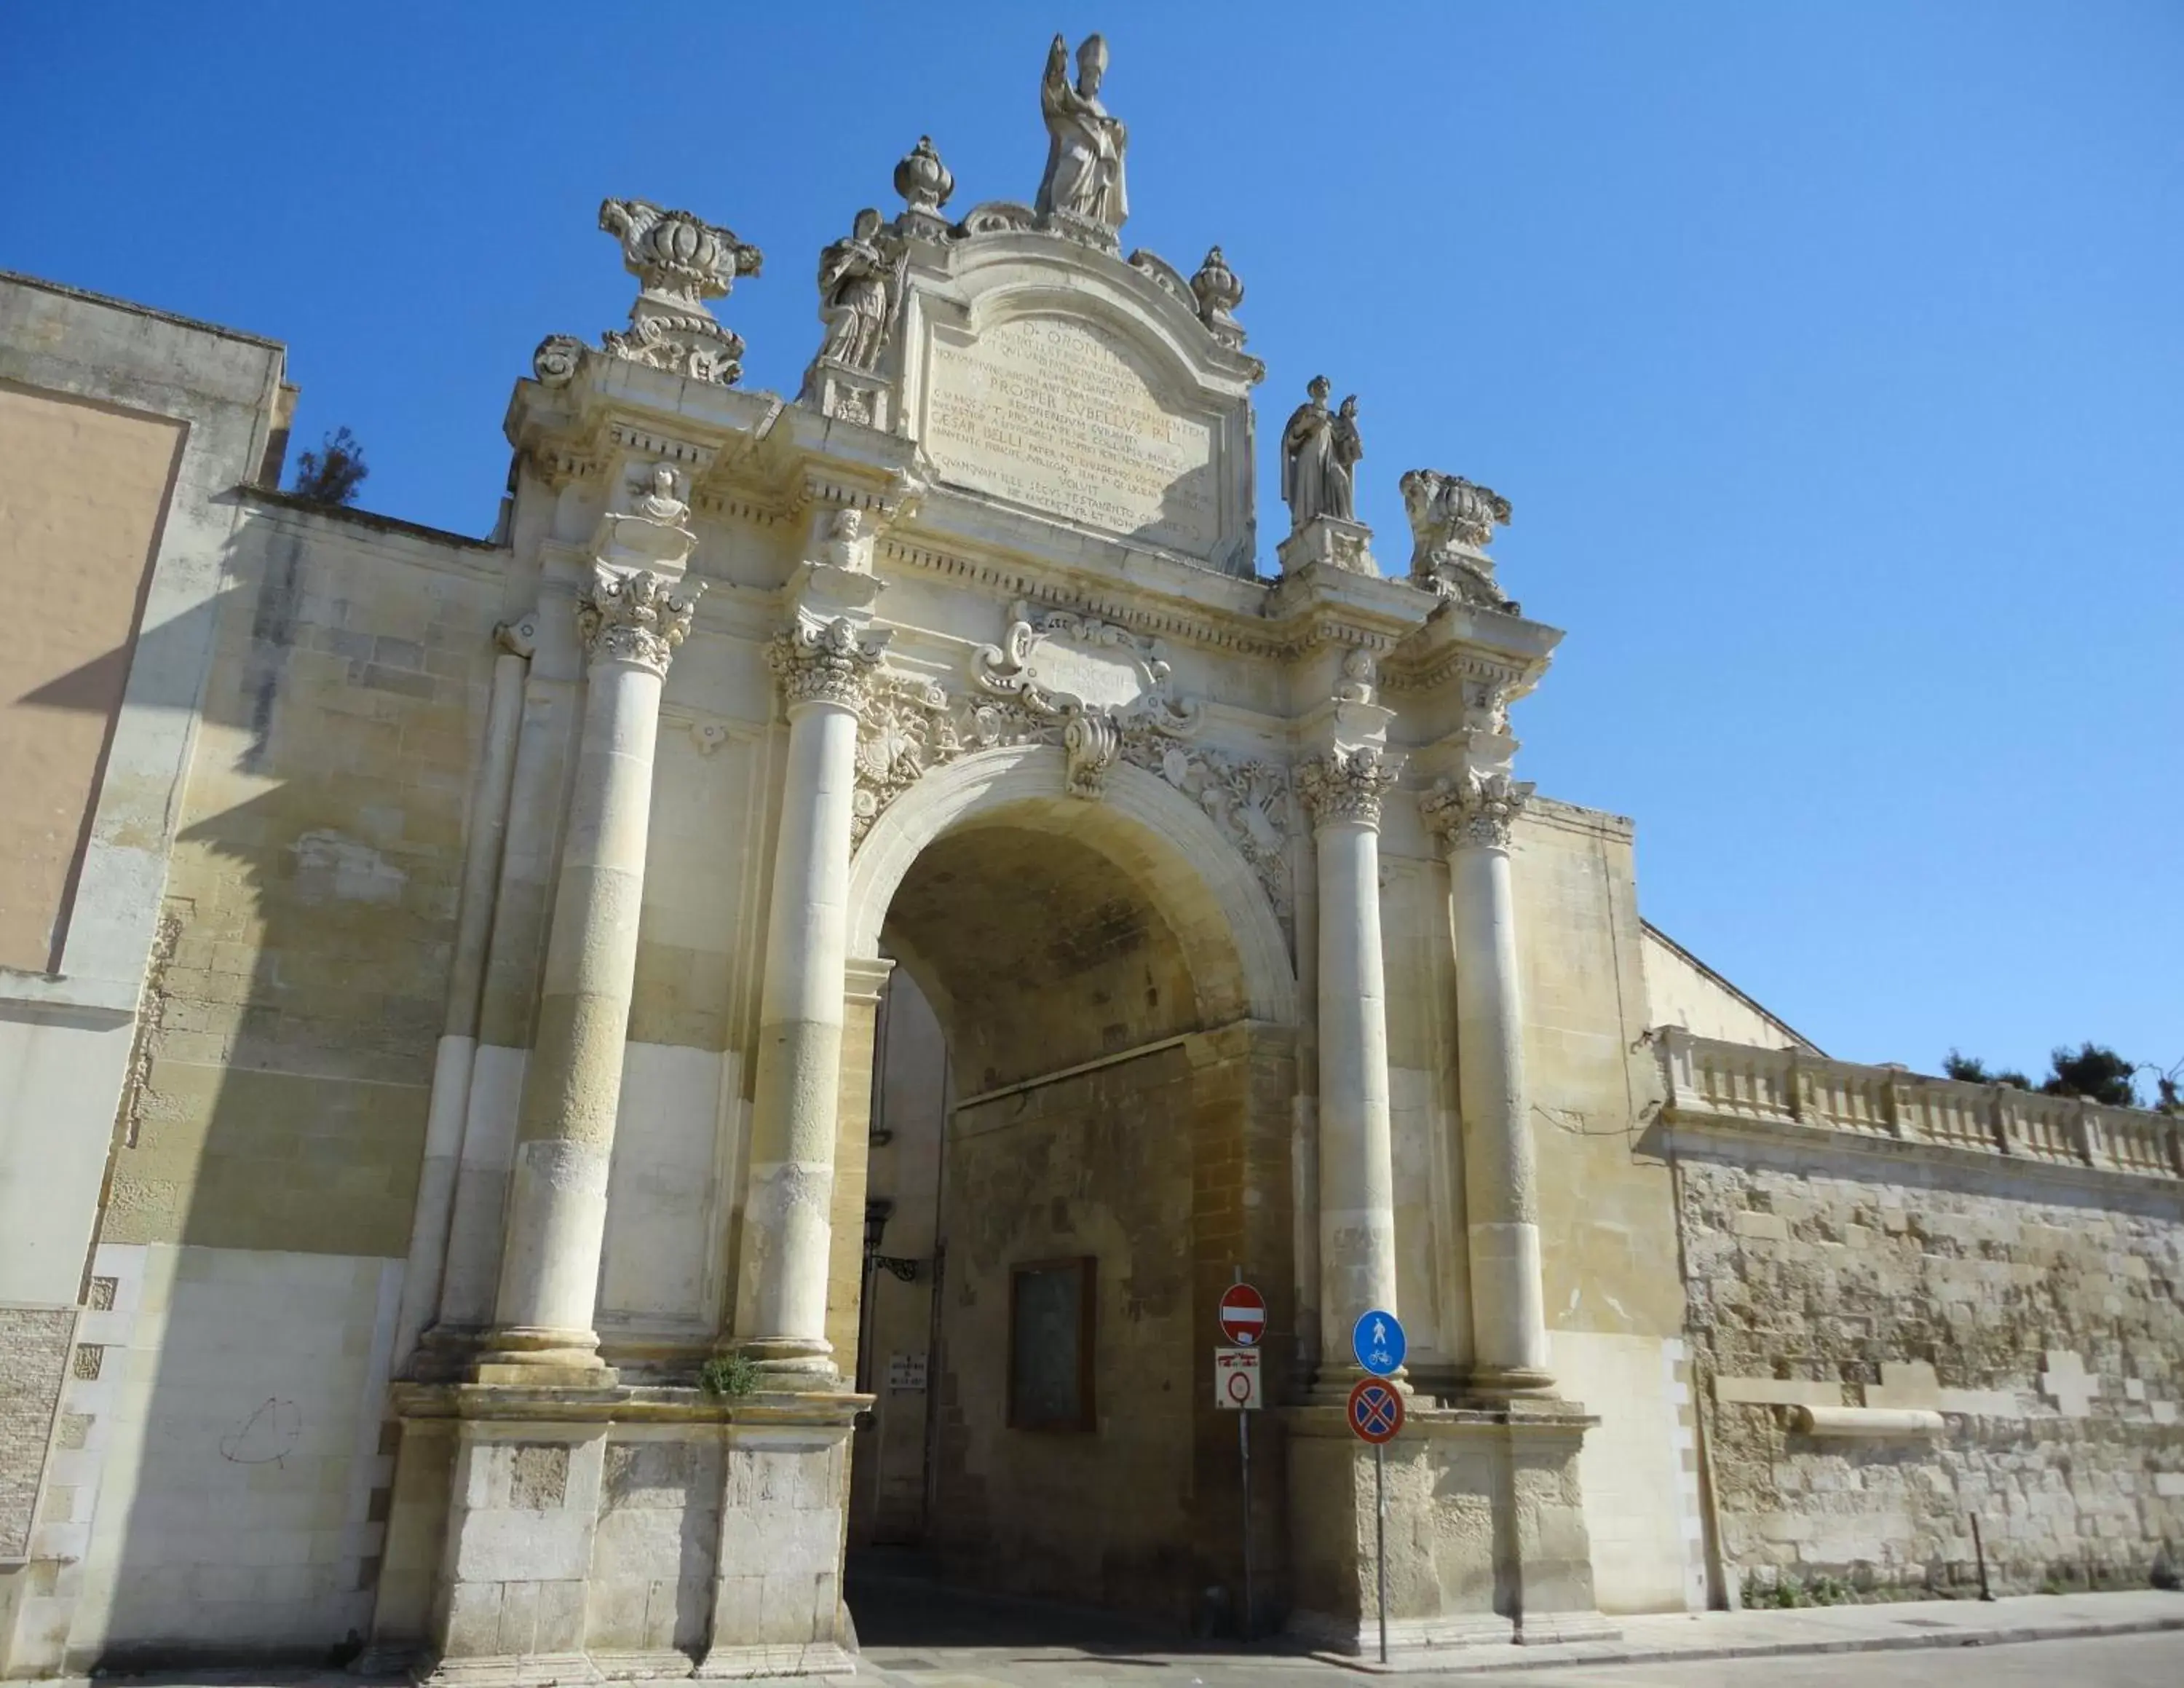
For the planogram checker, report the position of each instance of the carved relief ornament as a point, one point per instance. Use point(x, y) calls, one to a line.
point(910, 725)
point(637, 617)
point(1474, 809)
point(825, 662)
point(1086, 683)
point(1347, 784)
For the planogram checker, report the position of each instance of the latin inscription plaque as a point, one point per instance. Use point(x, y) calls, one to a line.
point(1050, 412)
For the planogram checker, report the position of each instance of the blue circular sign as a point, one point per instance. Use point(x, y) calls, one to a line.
point(1378, 1342)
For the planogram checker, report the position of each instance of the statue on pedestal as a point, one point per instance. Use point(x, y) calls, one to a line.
point(859, 283)
point(1345, 446)
point(1308, 457)
point(1084, 160)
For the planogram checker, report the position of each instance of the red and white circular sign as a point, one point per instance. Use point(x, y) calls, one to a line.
point(1243, 1316)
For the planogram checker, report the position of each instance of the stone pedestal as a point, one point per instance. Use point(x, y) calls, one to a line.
point(1332, 543)
point(545, 1535)
point(1486, 1534)
point(849, 394)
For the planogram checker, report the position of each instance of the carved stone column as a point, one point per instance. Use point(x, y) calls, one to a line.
point(1471, 815)
point(630, 624)
point(1342, 788)
point(824, 667)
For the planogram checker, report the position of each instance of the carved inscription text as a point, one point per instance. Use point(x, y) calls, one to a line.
point(1049, 412)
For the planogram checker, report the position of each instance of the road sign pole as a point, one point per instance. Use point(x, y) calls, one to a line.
point(1380, 1537)
point(1244, 1447)
point(1244, 1442)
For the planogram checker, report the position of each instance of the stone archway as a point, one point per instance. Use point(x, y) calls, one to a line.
point(1118, 1010)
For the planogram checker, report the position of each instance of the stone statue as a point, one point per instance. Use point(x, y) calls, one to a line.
point(858, 286)
point(1308, 457)
point(1345, 448)
point(1085, 161)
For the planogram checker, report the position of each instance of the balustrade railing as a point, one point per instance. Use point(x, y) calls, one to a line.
point(1707, 1077)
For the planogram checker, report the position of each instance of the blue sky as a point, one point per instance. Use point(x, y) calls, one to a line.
point(1833, 357)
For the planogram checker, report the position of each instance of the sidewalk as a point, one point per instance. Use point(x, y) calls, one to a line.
point(1664, 1638)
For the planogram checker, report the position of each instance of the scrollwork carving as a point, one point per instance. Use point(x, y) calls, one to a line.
point(1346, 784)
point(1096, 684)
point(1475, 808)
point(906, 727)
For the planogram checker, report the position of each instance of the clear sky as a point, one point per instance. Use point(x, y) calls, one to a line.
point(1833, 357)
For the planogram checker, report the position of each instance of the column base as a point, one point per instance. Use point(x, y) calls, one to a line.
point(1500, 1384)
point(799, 1362)
point(542, 1356)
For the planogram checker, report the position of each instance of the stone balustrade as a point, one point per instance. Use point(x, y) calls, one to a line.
point(1707, 1080)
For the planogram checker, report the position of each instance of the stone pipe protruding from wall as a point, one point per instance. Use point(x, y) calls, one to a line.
point(1864, 1421)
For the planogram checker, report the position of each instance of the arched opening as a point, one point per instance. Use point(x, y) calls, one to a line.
point(1080, 1131)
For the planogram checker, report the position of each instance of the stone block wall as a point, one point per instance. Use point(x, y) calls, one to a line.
point(226, 1490)
point(2037, 1312)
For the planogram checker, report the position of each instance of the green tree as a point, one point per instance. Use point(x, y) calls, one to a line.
point(333, 473)
point(1972, 1070)
point(2093, 1072)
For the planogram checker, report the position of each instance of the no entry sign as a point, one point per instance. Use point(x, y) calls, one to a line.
point(1376, 1410)
point(1243, 1316)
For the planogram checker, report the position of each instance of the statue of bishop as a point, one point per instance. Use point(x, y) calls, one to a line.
point(1085, 160)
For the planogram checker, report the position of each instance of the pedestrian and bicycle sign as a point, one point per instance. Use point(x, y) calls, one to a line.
point(1377, 1341)
point(1376, 1411)
point(1243, 1316)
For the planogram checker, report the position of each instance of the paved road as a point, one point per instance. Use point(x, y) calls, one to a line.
point(2111, 1662)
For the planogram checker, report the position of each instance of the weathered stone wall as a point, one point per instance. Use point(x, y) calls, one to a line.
point(229, 1490)
point(1883, 1278)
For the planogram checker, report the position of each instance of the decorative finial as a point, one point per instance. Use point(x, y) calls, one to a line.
point(680, 262)
point(1452, 520)
point(922, 180)
point(1218, 291)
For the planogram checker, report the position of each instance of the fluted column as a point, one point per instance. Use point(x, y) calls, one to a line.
point(781, 1287)
point(1342, 789)
point(630, 624)
point(1471, 816)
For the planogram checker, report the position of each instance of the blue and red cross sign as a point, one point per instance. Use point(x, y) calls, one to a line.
point(1376, 1410)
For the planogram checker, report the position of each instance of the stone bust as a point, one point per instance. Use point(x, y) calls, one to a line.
point(1084, 154)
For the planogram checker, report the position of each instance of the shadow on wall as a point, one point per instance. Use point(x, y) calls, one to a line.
point(229, 1472)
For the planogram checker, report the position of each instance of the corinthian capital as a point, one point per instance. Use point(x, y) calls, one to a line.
point(1473, 809)
point(635, 618)
point(824, 662)
point(1346, 784)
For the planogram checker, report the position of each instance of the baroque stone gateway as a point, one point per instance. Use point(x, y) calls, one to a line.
point(563, 1085)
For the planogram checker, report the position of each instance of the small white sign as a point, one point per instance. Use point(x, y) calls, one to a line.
point(1236, 1379)
point(907, 1372)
